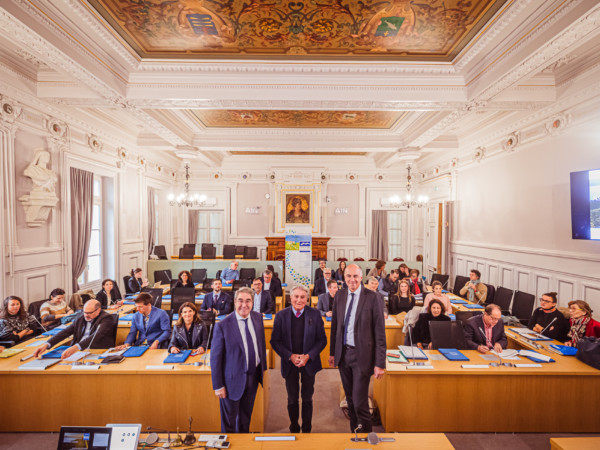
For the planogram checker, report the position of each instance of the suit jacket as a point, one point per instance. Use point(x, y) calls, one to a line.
point(228, 357)
point(275, 287)
point(318, 274)
point(199, 337)
point(320, 287)
point(104, 338)
point(369, 330)
point(224, 305)
point(323, 303)
point(134, 285)
point(315, 339)
point(180, 284)
point(475, 338)
point(267, 304)
point(101, 296)
point(158, 328)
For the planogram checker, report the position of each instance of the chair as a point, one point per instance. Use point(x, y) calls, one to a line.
point(463, 316)
point(115, 287)
point(522, 306)
point(373, 259)
point(459, 283)
point(163, 276)
point(172, 283)
point(192, 246)
point(503, 299)
point(447, 335)
point(240, 283)
point(126, 283)
point(156, 294)
point(360, 259)
point(491, 294)
point(115, 329)
point(208, 317)
point(186, 253)
point(198, 275)
point(161, 252)
point(248, 273)
point(251, 253)
point(181, 295)
point(229, 252)
point(218, 274)
point(208, 252)
point(441, 278)
point(342, 259)
point(399, 259)
point(240, 249)
point(34, 309)
point(207, 285)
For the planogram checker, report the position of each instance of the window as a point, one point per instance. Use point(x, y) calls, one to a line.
point(210, 229)
point(93, 269)
point(395, 225)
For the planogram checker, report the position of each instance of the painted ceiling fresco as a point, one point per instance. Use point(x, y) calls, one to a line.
point(297, 119)
point(430, 30)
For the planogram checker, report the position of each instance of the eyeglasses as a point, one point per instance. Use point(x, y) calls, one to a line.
point(91, 312)
point(543, 300)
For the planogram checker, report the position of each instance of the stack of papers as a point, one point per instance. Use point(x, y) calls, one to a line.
point(39, 364)
point(529, 334)
point(77, 356)
point(7, 353)
point(412, 352)
point(535, 356)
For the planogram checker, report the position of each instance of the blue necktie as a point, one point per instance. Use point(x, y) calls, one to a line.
point(251, 353)
point(348, 316)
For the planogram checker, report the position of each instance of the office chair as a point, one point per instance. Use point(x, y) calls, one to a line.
point(503, 299)
point(459, 283)
point(161, 252)
point(522, 307)
point(164, 276)
point(181, 295)
point(229, 252)
point(447, 335)
point(198, 275)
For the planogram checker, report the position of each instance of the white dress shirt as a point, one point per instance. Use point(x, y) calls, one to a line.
point(350, 330)
point(242, 325)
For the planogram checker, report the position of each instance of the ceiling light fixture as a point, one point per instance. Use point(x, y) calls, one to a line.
point(187, 200)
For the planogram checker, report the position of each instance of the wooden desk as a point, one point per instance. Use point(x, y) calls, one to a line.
point(117, 393)
point(558, 397)
point(433, 441)
point(578, 443)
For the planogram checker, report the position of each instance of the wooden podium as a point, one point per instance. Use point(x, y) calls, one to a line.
point(276, 248)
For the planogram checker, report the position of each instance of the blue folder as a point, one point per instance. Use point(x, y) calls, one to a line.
point(134, 352)
point(452, 354)
point(452, 316)
point(176, 316)
point(564, 350)
point(126, 317)
point(166, 297)
point(177, 358)
point(473, 306)
point(444, 291)
point(128, 302)
point(55, 353)
point(534, 359)
point(458, 301)
point(268, 317)
point(52, 332)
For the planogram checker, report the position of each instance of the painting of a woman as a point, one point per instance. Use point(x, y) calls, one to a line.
point(298, 209)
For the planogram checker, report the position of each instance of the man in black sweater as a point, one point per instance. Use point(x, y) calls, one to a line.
point(547, 314)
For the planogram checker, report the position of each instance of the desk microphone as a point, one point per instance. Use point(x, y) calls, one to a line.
point(90, 344)
point(373, 439)
point(356, 438)
point(152, 438)
point(412, 350)
point(548, 326)
point(43, 327)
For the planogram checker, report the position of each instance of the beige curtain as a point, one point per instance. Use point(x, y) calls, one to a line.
point(379, 238)
point(82, 202)
point(193, 227)
point(151, 220)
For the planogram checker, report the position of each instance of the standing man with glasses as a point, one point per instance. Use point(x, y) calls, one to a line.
point(357, 344)
point(238, 358)
point(93, 329)
point(485, 332)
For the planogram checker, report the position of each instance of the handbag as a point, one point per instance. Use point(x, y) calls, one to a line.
point(588, 351)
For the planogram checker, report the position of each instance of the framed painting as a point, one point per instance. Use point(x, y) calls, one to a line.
point(298, 205)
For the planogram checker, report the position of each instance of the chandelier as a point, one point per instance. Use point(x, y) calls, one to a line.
point(397, 202)
point(185, 199)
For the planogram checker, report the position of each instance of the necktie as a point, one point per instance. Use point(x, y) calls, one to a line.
point(297, 314)
point(216, 299)
point(251, 353)
point(146, 319)
point(348, 315)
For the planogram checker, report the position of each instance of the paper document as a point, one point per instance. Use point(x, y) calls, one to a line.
point(111, 352)
point(475, 366)
point(536, 355)
point(39, 364)
point(77, 356)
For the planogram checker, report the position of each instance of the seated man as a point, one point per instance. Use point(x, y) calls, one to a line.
point(93, 329)
point(389, 285)
point(150, 325)
point(550, 320)
point(219, 301)
point(325, 303)
point(320, 286)
point(271, 284)
point(231, 273)
point(416, 284)
point(474, 291)
point(485, 332)
point(373, 284)
point(263, 303)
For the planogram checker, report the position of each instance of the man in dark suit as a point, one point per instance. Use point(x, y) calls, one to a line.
point(263, 303)
point(319, 270)
point(320, 286)
point(271, 284)
point(388, 286)
point(150, 325)
point(238, 358)
point(298, 338)
point(486, 331)
point(217, 300)
point(93, 329)
point(357, 344)
point(325, 303)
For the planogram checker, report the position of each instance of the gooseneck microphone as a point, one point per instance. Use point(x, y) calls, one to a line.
point(356, 438)
point(40, 323)
point(548, 326)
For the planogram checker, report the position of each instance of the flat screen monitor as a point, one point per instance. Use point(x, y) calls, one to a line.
point(585, 204)
point(84, 438)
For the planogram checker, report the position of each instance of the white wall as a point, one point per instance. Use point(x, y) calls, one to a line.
point(512, 219)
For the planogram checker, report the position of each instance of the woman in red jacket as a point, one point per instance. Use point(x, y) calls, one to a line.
point(582, 323)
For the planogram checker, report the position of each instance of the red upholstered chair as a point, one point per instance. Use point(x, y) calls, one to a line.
point(399, 259)
point(373, 259)
point(342, 259)
point(359, 259)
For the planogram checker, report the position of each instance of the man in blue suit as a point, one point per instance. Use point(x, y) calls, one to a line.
point(150, 325)
point(263, 302)
point(217, 300)
point(238, 358)
point(298, 338)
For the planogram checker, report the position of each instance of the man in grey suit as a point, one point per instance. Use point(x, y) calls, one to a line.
point(325, 303)
point(357, 344)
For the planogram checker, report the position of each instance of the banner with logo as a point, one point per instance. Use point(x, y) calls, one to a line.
point(298, 256)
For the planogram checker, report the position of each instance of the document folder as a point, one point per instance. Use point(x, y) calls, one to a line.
point(177, 358)
point(453, 354)
point(134, 352)
point(55, 353)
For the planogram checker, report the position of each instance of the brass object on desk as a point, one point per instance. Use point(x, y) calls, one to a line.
point(189, 437)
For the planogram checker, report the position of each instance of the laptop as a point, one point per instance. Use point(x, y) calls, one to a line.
point(84, 438)
point(125, 436)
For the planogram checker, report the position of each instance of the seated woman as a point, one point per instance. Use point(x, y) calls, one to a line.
point(185, 279)
point(437, 295)
point(137, 282)
point(421, 333)
point(15, 324)
point(582, 323)
point(189, 332)
point(54, 309)
point(404, 271)
point(109, 297)
point(402, 301)
point(339, 273)
point(378, 271)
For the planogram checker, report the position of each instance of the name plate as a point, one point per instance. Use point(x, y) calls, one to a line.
point(161, 367)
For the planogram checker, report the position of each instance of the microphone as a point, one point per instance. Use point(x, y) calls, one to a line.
point(152, 438)
point(90, 344)
point(411, 345)
point(548, 326)
point(373, 439)
point(490, 345)
point(356, 438)
point(40, 323)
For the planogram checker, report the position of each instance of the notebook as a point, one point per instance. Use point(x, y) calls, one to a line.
point(453, 354)
point(134, 352)
point(56, 353)
point(394, 356)
point(177, 358)
point(7, 353)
